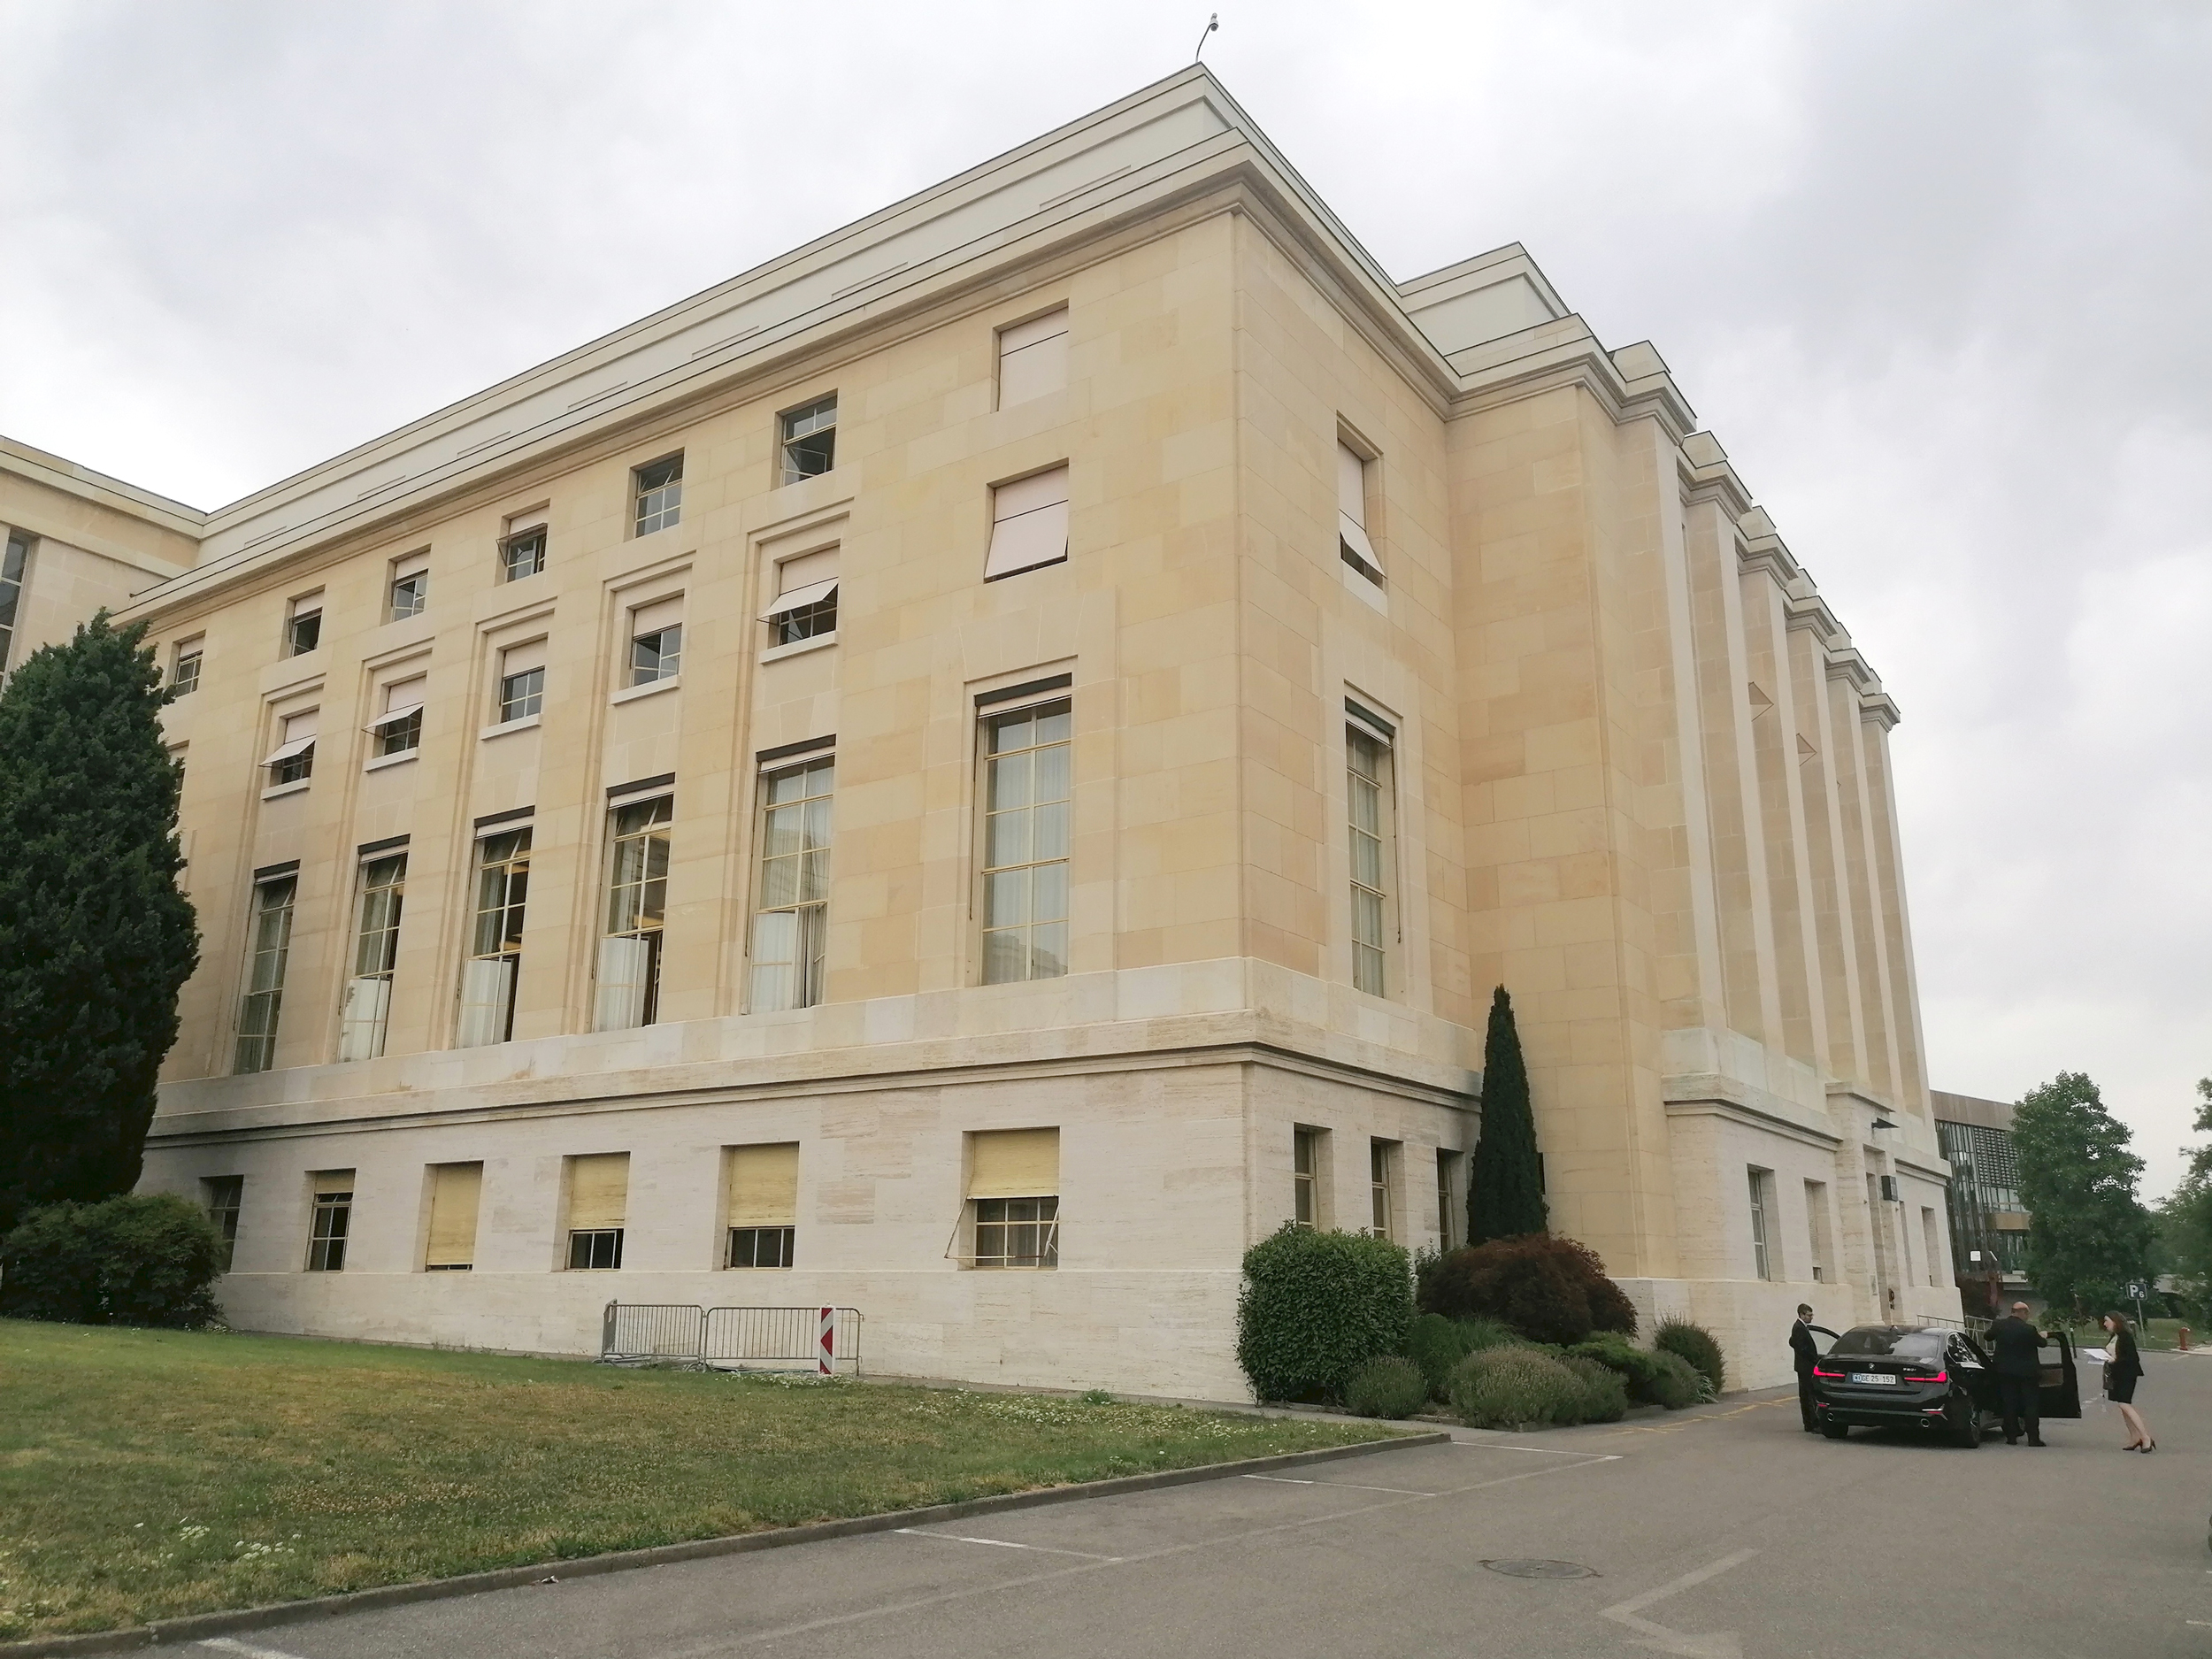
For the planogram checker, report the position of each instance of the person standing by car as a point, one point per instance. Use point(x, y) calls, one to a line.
point(2018, 1346)
point(1807, 1353)
point(2122, 1372)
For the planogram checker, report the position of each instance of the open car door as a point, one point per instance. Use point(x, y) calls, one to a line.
point(2057, 1385)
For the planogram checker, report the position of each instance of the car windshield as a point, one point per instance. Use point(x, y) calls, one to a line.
point(1880, 1341)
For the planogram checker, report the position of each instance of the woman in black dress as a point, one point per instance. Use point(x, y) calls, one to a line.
point(2121, 1373)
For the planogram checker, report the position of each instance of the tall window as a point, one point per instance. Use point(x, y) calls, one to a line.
point(224, 1197)
point(598, 1199)
point(1305, 1176)
point(1351, 513)
point(457, 1190)
point(521, 682)
point(791, 920)
point(1448, 1229)
point(1028, 796)
point(184, 668)
point(810, 439)
point(1014, 1185)
point(1380, 1155)
point(487, 978)
point(332, 1219)
point(806, 598)
point(657, 641)
point(264, 998)
point(658, 495)
point(11, 568)
point(1367, 792)
point(637, 905)
point(293, 759)
point(411, 586)
point(303, 626)
point(763, 1184)
point(1762, 1183)
point(522, 554)
point(398, 730)
point(1033, 359)
point(1816, 1230)
point(375, 948)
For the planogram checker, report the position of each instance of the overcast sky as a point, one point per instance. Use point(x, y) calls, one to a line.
point(1934, 275)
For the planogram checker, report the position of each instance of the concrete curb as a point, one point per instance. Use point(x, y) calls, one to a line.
point(198, 1626)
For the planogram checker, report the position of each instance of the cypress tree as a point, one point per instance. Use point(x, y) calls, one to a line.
point(1505, 1188)
point(95, 940)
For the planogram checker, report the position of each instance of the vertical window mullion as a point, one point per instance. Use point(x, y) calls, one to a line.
point(1028, 805)
point(264, 997)
point(791, 907)
point(375, 954)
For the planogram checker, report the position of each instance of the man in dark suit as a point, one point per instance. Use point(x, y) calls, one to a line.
point(1805, 1351)
point(2018, 1346)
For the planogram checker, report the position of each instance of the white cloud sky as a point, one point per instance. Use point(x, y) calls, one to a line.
point(1933, 274)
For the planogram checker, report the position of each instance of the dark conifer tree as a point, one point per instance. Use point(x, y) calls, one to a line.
point(95, 940)
point(1505, 1188)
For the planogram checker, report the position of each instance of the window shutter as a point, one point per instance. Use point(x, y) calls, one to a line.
point(1014, 1164)
point(402, 694)
point(414, 564)
point(297, 735)
point(764, 1185)
point(454, 1193)
point(1351, 505)
point(329, 1181)
point(806, 569)
point(518, 659)
point(665, 613)
point(1033, 359)
point(1029, 524)
point(310, 606)
point(598, 1191)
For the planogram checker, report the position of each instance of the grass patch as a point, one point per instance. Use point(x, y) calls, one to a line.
point(145, 1474)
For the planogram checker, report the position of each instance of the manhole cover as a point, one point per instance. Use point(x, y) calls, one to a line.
point(1540, 1569)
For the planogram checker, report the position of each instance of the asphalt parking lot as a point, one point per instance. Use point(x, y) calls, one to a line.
point(1722, 1532)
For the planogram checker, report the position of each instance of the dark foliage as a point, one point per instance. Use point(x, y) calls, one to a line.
point(1315, 1306)
point(1696, 1344)
point(1505, 1185)
point(146, 1259)
point(2088, 1234)
point(1437, 1345)
point(1548, 1288)
point(94, 938)
point(1388, 1385)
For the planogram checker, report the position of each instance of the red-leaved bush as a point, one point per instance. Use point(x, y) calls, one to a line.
point(1549, 1289)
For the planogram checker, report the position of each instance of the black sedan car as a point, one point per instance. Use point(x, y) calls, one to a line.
point(1926, 1379)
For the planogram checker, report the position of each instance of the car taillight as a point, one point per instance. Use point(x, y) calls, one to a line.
point(1927, 1375)
point(1818, 1372)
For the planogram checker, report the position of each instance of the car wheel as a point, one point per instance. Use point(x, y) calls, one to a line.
point(1835, 1431)
point(1966, 1427)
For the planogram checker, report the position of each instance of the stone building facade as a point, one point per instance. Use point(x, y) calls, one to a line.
point(975, 770)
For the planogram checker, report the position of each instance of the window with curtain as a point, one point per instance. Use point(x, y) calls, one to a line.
point(410, 587)
point(657, 641)
point(810, 439)
point(763, 1187)
point(331, 1221)
point(495, 960)
point(184, 671)
point(293, 759)
point(598, 1201)
point(1028, 789)
point(270, 930)
point(303, 626)
point(398, 730)
point(455, 1194)
point(629, 981)
point(1367, 792)
point(805, 606)
point(791, 915)
point(375, 949)
point(1014, 1188)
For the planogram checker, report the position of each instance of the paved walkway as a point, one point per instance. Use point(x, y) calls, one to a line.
point(1723, 1532)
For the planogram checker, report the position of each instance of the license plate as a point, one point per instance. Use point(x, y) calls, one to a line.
point(1879, 1377)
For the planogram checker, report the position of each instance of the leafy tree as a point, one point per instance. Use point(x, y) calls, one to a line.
point(2088, 1234)
point(2184, 1220)
point(1505, 1188)
point(94, 938)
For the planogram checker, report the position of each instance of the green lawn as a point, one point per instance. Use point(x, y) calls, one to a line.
point(148, 1473)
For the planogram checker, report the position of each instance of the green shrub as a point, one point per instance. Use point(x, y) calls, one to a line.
point(1388, 1385)
point(1437, 1345)
point(1639, 1368)
point(142, 1259)
point(1315, 1306)
point(1676, 1382)
point(1605, 1392)
point(1517, 1388)
point(1696, 1344)
point(1547, 1287)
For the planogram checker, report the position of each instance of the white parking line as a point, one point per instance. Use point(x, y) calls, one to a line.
point(1552, 1451)
point(1718, 1645)
point(244, 1650)
point(999, 1543)
point(1343, 1486)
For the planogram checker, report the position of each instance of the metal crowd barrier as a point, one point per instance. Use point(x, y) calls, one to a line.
point(824, 1340)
